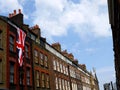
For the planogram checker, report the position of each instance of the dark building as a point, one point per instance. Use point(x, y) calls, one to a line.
point(9, 67)
point(107, 86)
point(114, 86)
point(45, 66)
point(114, 18)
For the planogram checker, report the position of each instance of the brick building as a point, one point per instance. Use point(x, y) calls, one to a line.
point(45, 66)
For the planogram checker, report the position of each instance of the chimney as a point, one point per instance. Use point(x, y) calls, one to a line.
point(14, 12)
point(17, 18)
point(83, 66)
point(36, 30)
point(57, 46)
point(10, 15)
point(71, 57)
point(75, 61)
point(65, 53)
point(19, 11)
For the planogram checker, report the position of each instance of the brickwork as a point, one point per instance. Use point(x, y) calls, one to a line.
point(45, 66)
point(3, 53)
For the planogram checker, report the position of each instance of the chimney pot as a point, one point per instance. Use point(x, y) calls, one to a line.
point(19, 10)
point(10, 15)
point(14, 12)
point(34, 26)
point(57, 46)
point(37, 26)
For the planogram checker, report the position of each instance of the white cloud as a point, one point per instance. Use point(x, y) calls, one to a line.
point(56, 16)
point(102, 2)
point(105, 70)
point(90, 50)
point(9, 6)
point(47, 15)
point(75, 49)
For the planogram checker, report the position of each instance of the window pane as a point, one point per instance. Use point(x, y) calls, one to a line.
point(58, 68)
point(33, 37)
point(27, 51)
point(56, 82)
point(43, 80)
point(28, 73)
point(54, 64)
point(11, 73)
point(46, 61)
point(63, 84)
point(41, 59)
point(11, 78)
point(37, 79)
point(36, 56)
point(66, 85)
point(60, 84)
point(11, 39)
point(66, 71)
point(61, 68)
point(11, 43)
point(28, 81)
point(28, 76)
point(47, 81)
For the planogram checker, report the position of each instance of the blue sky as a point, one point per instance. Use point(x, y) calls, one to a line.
point(81, 26)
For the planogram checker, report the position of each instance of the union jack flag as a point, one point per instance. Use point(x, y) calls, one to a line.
point(20, 43)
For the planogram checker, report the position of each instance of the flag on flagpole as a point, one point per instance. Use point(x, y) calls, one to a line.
point(20, 43)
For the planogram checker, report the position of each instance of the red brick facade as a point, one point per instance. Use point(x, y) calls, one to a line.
point(45, 66)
